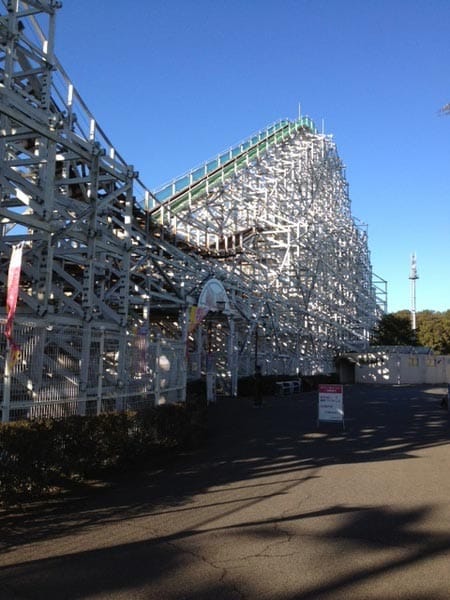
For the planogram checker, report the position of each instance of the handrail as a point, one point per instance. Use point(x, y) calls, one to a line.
point(69, 102)
point(214, 169)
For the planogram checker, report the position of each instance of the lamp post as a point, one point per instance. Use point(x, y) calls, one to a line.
point(256, 346)
point(210, 365)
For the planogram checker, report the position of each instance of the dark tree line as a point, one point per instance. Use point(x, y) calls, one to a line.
point(433, 330)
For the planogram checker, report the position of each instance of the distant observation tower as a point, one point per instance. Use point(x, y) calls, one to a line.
point(413, 278)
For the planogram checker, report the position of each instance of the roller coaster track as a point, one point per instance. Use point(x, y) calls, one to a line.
point(215, 171)
point(111, 270)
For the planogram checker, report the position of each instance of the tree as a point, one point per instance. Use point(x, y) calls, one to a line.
point(394, 329)
point(433, 330)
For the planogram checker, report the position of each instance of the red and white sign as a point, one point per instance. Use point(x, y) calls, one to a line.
point(15, 265)
point(331, 405)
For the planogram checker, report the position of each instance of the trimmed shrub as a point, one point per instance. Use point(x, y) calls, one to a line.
point(246, 385)
point(26, 459)
point(37, 456)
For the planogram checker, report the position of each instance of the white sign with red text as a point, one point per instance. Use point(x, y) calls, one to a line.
point(331, 405)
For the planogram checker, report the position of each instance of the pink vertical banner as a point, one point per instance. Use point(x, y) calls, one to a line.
point(12, 294)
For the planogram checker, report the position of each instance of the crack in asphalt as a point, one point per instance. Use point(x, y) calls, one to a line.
point(223, 571)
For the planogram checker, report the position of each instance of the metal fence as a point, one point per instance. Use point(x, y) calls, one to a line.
point(46, 376)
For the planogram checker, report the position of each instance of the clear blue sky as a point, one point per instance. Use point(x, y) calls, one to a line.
point(174, 82)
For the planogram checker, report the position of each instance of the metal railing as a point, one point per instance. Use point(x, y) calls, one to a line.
point(215, 170)
point(44, 379)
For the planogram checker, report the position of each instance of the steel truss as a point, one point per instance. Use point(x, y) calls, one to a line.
point(110, 271)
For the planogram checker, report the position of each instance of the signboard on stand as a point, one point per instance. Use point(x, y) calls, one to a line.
point(331, 404)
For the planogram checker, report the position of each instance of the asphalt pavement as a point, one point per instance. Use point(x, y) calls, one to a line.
point(272, 507)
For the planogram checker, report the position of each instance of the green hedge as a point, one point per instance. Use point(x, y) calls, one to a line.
point(37, 457)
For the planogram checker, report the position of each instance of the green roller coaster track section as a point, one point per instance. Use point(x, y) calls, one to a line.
point(196, 182)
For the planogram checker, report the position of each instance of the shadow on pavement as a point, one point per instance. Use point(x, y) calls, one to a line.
point(246, 446)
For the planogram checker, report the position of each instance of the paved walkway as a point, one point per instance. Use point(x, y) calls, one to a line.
point(272, 508)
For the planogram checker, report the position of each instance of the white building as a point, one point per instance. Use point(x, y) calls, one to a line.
point(395, 365)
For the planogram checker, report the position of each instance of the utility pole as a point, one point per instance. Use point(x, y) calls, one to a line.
point(413, 277)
